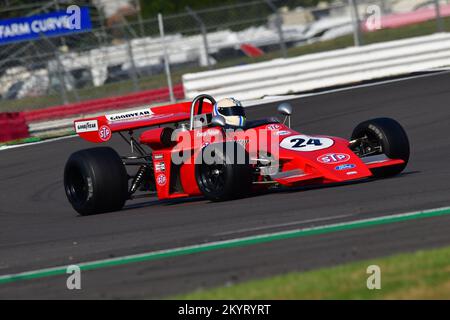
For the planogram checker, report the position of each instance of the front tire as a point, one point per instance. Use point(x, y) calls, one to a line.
point(390, 137)
point(228, 176)
point(96, 181)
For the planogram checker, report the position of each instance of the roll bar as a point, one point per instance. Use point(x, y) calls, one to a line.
point(200, 99)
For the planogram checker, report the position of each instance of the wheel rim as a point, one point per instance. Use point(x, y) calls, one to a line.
point(371, 145)
point(76, 186)
point(213, 176)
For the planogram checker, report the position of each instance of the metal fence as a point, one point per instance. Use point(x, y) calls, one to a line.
point(131, 55)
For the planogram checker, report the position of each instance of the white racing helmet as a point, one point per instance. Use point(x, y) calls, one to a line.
point(231, 110)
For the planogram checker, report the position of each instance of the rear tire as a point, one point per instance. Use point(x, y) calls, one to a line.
point(226, 178)
point(392, 138)
point(96, 181)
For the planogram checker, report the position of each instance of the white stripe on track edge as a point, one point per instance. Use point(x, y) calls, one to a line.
point(35, 143)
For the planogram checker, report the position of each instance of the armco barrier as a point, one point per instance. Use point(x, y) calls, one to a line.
point(322, 70)
point(93, 106)
point(12, 126)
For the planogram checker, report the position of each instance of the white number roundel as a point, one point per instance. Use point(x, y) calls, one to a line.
point(306, 143)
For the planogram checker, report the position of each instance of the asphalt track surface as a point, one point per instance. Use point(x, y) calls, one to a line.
point(39, 229)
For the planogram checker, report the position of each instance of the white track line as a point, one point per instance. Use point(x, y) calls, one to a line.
point(35, 143)
point(288, 224)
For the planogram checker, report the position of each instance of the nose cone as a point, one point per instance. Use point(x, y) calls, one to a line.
point(328, 157)
point(342, 165)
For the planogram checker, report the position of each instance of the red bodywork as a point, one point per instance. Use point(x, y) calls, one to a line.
point(303, 160)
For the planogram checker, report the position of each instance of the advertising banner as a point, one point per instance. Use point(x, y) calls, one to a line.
point(73, 20)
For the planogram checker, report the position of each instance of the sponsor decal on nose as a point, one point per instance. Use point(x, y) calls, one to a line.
point(347, 166)
point(333, 158)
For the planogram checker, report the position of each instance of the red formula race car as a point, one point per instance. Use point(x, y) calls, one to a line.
point(187, 149)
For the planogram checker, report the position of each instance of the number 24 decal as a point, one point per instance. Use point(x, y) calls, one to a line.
point(306, 143)
point(299, 142)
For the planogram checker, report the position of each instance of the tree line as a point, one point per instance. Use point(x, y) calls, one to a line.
point(153, 7)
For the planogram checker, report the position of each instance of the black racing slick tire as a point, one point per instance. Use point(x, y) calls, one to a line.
point(96, 181)
point(228, 176)
point(392, 138)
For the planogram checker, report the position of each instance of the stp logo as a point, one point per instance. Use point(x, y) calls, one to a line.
point(104, 133)
point(273, 127)
point(161, 180)
point(332, 158)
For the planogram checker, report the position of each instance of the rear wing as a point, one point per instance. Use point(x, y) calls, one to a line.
point(100, 129)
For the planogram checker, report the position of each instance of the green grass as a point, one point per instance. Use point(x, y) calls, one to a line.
point(419, 275)
point(41, 137)
point(158, 81)
point(20, 141)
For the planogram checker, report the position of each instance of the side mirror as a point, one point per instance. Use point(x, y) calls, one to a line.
point(218, 121)
point(286, 110)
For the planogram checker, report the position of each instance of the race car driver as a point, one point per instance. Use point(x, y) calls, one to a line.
point(231, 110)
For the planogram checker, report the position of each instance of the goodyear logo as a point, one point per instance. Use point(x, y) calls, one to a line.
point(129, 115)
point(86, 126)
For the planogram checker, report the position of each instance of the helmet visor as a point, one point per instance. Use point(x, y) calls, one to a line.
point(232, 111)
